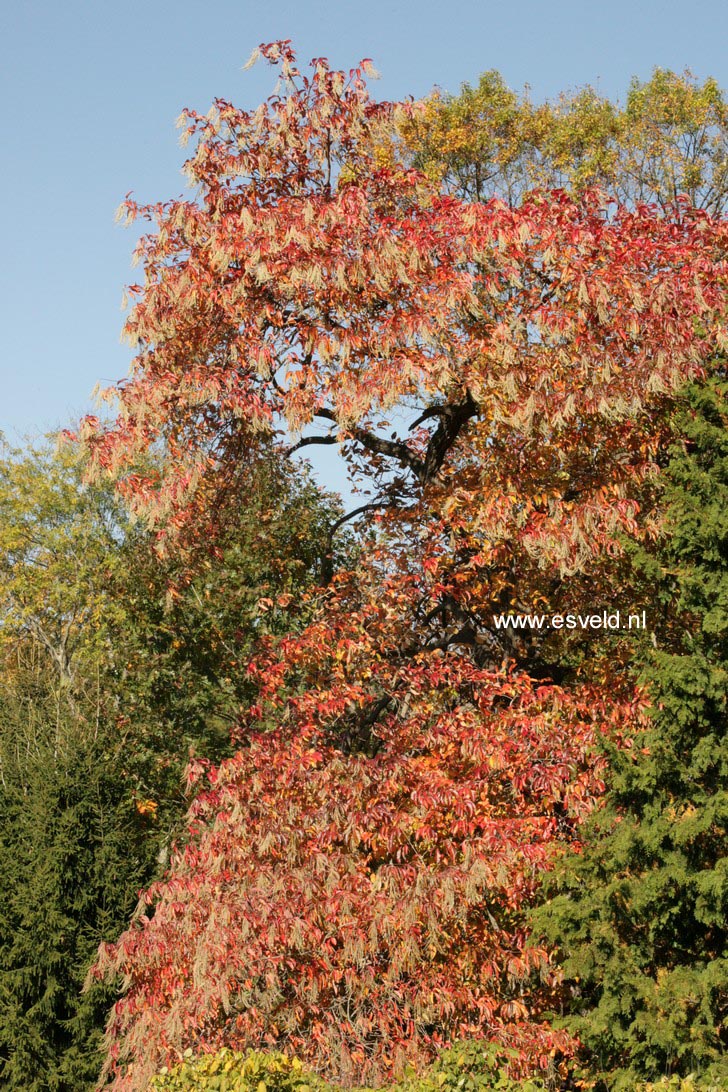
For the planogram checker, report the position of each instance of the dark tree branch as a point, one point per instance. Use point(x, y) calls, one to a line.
point(370, 507)
point(327, 564)
point(362, 738)
point(452, 421)
point(327, 414)
point(308, 441)
point(394, 449)
point(433, 411)
point(453, 418)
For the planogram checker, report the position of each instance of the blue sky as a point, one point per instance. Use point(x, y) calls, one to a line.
point(91, 90)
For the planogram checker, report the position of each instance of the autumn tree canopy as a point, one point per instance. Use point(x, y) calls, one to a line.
point(308, 285)
point(500, 380)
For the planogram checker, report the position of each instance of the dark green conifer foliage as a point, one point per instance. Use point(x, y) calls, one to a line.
point(73, 854)
point(641, 913)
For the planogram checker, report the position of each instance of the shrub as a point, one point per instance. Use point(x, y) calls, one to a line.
point(466, 1067)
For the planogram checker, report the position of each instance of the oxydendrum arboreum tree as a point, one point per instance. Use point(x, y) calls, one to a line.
point(353, 881)
point(640, 913)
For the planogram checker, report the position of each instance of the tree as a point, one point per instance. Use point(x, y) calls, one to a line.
point(531, 357)
point(675, 141)
point(640, 911)
point(74, 849)
point(58, 564)
point(669, 138)
point(113, 665)
point(194, 615)
point(74, 852)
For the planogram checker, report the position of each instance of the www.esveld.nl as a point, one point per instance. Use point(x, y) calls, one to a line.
point(605, 620)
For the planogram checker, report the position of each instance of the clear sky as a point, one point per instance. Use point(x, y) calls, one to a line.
point(91, 90)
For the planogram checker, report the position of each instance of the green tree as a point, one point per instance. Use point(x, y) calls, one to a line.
point(640, 912)
point(59, 563)
point(669, 137)
point(115, 661)
point(74, 848)
point(74, 851)
point(194, 614)
point(674, 140)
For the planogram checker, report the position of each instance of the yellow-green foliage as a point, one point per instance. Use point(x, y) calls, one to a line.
point(467, 1067)
point(670, 137)
point(230, 1071)
point(681, 1084)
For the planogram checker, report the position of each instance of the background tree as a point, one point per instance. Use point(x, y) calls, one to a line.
point(113, 664)
point(640, 913)
point(195, 613)
point(58, 565)
point(670, 137)
point(74, 852)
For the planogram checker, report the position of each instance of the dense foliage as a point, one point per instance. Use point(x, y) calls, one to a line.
point(318, 812)
point(112, 667)
point(642, 910)
point(73, 854)
point(364, 910)
point(667, 139)
point(466, 1067)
